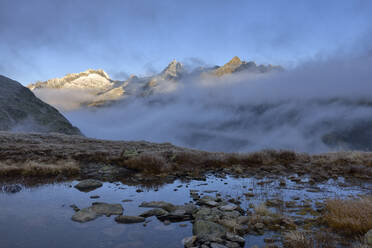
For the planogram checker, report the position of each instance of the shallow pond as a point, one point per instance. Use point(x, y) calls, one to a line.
point(41, 216)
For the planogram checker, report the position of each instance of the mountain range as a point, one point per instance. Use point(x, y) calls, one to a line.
point(102, 90)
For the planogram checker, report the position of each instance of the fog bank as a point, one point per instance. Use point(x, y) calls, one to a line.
point(303, 109)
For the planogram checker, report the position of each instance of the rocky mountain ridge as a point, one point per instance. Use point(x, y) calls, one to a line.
point(103, 90)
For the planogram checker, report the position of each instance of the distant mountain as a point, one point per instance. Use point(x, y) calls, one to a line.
point(21, 111)
point(93, 82)
point(102, 90)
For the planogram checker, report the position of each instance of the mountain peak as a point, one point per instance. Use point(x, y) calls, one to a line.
point(173, 70)
point(235, 61)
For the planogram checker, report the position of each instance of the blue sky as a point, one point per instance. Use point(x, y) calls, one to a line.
point(41, 39)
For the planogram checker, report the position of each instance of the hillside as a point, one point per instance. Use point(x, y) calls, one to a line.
point(20, 110)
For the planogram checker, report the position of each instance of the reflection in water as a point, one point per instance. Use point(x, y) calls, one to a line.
point(41, 216)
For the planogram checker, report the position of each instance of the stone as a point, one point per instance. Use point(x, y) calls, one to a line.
point(154, 212)
point(209, 214)
point(202, 227)
point(102, 208)
point(97, 209)
point(158, 204)
point(259, 226)
point(129, 219)
point(231, 244)
point(189, 241)
point(88, 185)
point(368, 237)
point(211, 203)
point(84, 215)
point(228, 207)
point(94, 197)
point(217, 245)
point(234, 238)
point(243, 219)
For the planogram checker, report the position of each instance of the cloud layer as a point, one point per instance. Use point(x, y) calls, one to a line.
point(294, 109)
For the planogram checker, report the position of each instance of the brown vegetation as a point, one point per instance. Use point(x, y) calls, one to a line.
point(349, 216)
point(301, 239)
point(19, 150)
point(31, 168)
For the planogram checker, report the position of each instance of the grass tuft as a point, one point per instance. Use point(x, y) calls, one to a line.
point(349, 216)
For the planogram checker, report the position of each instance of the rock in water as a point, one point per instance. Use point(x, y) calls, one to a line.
point(22, 111)
point(84, 215)
point(97, 209)
point(129, 219)
point(158, 204)
point(102, 208)
point(88, 185)
point(202, 227)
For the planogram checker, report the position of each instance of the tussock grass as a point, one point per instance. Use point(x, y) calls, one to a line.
point(262, 210)
point(349, 216)
point(302, 239)
point(297, 239)
point(32, 168)
point(147, 162)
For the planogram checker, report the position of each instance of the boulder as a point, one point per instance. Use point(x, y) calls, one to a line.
point(202, 227)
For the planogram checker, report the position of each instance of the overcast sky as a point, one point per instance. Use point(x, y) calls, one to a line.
point(41, 39)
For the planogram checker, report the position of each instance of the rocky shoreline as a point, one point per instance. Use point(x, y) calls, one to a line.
point(218, 220)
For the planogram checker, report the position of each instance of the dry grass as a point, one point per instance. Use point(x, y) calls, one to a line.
point(297, 239)
point(50, 149)
point(148, 163)
point(31, 168)
point(349, 216)
point(262, 210)
point(301, 239)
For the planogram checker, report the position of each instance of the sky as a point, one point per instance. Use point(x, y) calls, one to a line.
point(43, 39)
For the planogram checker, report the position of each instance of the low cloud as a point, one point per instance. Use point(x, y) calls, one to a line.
point(296, 109)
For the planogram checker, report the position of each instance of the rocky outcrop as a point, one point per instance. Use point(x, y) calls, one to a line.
point(21, 111)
